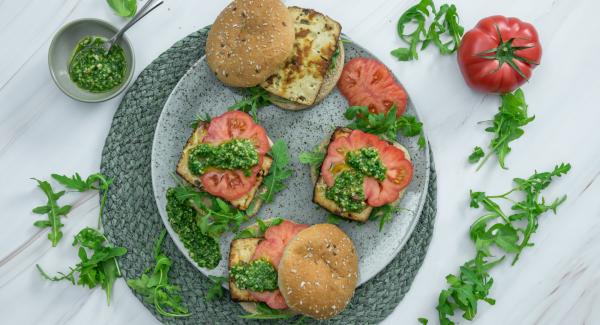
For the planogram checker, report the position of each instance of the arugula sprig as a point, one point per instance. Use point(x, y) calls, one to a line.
point(257, 232)
point(216, 290)
point(500, 231)
point(217, 216)
point(507, 125)
point(274, 182)
point(200, 118)
point(384, 214)
point(444, 24)
point(53, 210)
point(155, 286)
point(99, 268)
point(386, 125)
point(314, 158)
point(476, 155)
point(255, 98)
point(95, 181)
point(123, 8)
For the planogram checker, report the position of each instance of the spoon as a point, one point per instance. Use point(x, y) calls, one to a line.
point(139, 15)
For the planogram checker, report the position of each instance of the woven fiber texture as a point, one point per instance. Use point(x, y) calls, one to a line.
point(131, 218)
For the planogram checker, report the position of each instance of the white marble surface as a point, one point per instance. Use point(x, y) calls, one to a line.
point(556, 282)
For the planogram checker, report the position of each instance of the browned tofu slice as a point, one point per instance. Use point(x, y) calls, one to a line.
point(241, 251)
point(320, 186)
point(182, 170)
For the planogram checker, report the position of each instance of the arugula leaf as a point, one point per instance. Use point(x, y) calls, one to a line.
point(385, 125)
point(314, 158)
point(423, 320)
point(216, 290)
point(507, 125)
point(384, 214)
point(99, 268)
point(95, 181)
point(334, 219)
point(216, 216)
point(53, 210)
point(200, 118)
point(476, 155)
point(123, 8)
point(500, 230)
point(273, 183)
point(155, 286)
point(255, 98)
point(265, 312)
point(256, 232)
point(334, 58)
point(444, 23)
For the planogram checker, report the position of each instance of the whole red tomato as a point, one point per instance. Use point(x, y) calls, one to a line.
point(499, 54)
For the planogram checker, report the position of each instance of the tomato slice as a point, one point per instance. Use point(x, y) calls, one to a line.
point(233, 184)
point(276, 238)
point(273, 299)
point(399, 169)
point(367, 82)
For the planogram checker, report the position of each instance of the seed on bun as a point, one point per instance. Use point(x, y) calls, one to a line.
point(318, 271)
point(249, 41)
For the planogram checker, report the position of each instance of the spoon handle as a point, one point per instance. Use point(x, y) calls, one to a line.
point(139, 15)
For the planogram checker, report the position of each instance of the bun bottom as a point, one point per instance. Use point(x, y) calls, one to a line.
point(331, 79)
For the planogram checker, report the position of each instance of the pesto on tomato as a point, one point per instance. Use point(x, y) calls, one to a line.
point(94, 70)
point(258, 275)
point(237, 154)
point(348, 190)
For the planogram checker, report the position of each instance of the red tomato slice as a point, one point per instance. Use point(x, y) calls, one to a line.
point(233, 184)
point(367, 82)
point(378, 193)
point(276, 238)
point(273, 299)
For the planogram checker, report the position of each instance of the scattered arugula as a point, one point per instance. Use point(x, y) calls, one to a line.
point(384, 214)
point(386, 125)
point(99, 268)
point(155, 287)
point(509, 234)
point(273, 183)
point(200, 118)
point(257, 232)
point(265, 312)
point(95, 181)
point(217, 216)
point(53, 210)
point(476, 155)
point(314, 158)
point(445, 23)
point(216, 290)
point(255, 98)
point(123, 8)
point(507, 125)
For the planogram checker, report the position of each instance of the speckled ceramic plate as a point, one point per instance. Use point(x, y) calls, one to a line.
point(200, 92)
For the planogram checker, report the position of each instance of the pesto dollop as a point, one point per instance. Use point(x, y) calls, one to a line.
point(184, 219)
point(94, 70)
point(259, 275)
point(237, 154)
point(348, 191)
point(367, 162)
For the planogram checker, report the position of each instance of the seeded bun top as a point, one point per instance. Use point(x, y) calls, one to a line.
point(249, 41)
point(318, 271)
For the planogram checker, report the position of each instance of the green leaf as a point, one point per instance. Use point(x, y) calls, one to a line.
point(216, 290)
point(476, 155)
point(123, 8)
point(313, 158)
point(265, 312)
point(274, 182)
point(423, 321)
point(403, 54)
point(53, 210)
point(255, 98)
point(334, 219)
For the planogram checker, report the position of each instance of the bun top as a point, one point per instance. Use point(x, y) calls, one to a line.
point(318, 271)
point(249, 41)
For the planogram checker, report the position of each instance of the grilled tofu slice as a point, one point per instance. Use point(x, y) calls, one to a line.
point(242, 203)
point(303, 74)
point(320, 186)
point(241, 251)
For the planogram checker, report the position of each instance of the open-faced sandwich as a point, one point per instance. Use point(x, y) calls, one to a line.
point(227, 157)
point(293, 53)
point(360, 172)
point(293, 267)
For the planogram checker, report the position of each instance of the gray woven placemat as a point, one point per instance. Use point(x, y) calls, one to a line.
point(131, 217)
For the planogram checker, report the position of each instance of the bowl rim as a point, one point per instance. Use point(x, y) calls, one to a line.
point(109, 95)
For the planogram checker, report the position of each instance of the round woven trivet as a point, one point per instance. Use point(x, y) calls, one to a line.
point(131, 217)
